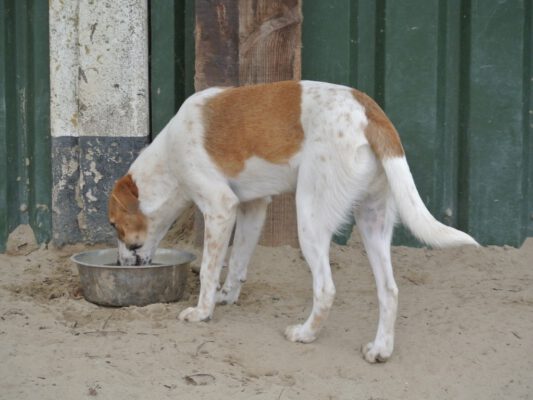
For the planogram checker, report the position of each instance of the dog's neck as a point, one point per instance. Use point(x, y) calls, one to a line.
point(151, 173)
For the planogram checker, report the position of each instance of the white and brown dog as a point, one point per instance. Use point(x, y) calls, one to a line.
point(229, 149)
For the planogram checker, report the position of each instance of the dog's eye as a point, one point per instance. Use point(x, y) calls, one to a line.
point(113, 225)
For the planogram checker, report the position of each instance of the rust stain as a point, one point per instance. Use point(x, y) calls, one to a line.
point(317, 321)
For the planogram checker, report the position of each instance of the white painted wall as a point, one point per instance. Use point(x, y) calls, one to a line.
point(99, 68)
point(64, 67)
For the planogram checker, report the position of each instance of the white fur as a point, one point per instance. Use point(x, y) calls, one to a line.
point(334, 174)
point(414, 213)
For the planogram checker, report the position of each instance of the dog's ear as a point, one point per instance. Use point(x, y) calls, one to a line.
point(126, 194)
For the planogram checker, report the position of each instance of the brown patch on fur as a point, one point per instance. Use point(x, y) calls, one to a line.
point(212, 245)
point(380, 132)
point(124, 212)
point(260, 120)
point(317, 321)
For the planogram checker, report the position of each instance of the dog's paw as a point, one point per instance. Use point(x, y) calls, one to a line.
point(194, 314)
point(227, 297)
point(374, 353)
point(298, 333)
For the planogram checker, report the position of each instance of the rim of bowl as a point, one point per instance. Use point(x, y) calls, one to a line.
point(187, 257)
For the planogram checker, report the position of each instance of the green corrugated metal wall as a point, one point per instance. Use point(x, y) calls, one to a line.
point(171, 58)
point(25, 172)
point(455, 78)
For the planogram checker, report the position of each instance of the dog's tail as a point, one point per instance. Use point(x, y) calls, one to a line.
point(414, 213)
point(386, 145)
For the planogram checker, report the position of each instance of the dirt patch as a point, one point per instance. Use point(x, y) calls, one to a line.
point(464, 330)
point(48, 276)
point(61, 282)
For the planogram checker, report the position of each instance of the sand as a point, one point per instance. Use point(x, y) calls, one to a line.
point(464, 331)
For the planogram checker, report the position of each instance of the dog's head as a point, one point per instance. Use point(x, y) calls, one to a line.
point(129, 221)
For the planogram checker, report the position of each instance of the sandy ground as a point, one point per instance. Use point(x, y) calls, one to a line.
point(464, 331)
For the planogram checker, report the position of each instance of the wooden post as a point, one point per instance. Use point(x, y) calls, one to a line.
point(245, 42)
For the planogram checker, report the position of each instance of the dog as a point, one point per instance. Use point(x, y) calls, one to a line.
point(230, 149)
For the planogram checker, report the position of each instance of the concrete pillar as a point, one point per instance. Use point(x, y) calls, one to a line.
point(99, 108)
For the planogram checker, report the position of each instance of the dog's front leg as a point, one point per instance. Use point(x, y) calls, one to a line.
point(219, 221)
point(250, 218)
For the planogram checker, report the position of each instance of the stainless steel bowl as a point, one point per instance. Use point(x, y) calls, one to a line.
point(105, 283)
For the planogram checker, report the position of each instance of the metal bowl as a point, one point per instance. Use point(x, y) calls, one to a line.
point(106, 283)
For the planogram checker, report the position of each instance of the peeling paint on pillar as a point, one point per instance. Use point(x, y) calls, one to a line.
point(65, 177)
point(103, 160)
point(83, 175)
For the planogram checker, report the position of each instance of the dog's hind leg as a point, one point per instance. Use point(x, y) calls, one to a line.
point(320, 202)
point(250, 219)
point(219, 206)
point(375, 218)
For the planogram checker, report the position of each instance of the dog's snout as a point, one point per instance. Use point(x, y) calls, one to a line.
point(133, 247)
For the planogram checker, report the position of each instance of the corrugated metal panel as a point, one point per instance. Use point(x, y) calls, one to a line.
point(25, 173)
point(455, 78)
point(171, 58)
